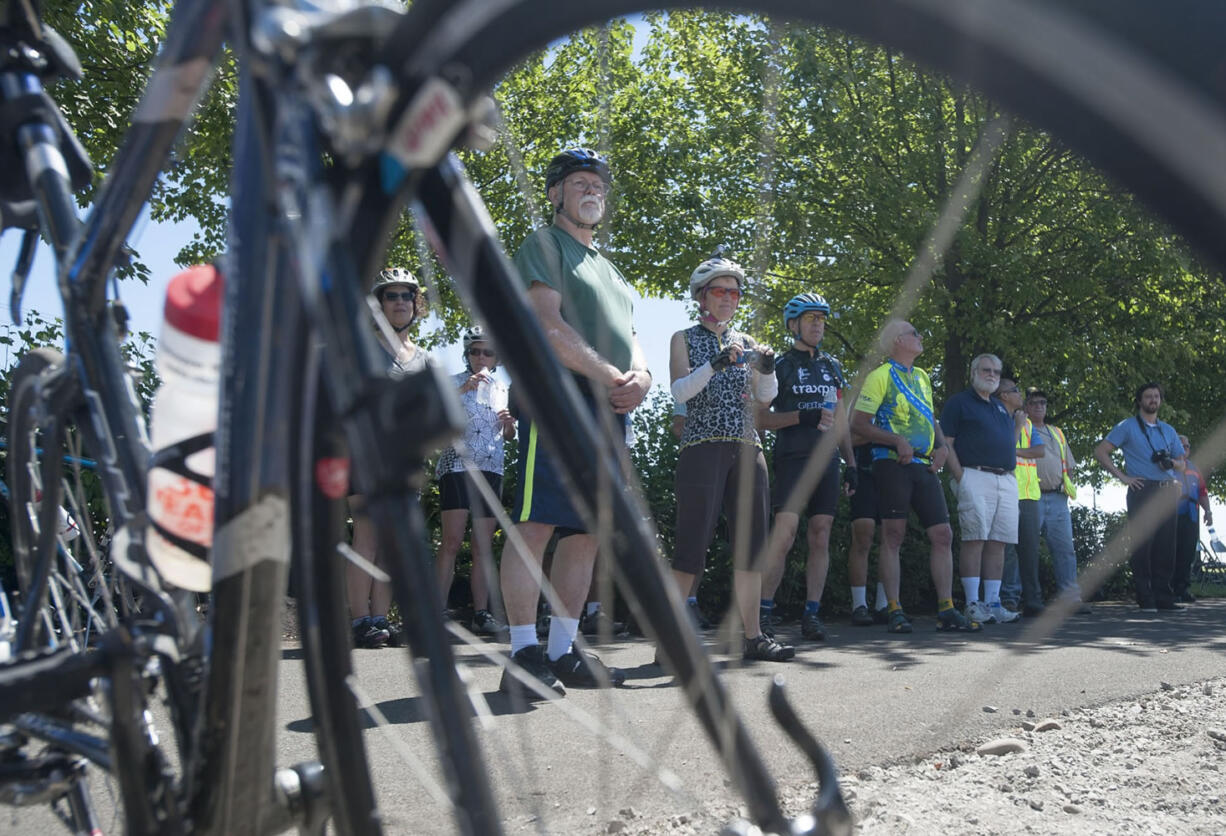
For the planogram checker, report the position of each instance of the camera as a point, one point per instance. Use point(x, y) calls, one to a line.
point(750, 357)
point(1163, 459)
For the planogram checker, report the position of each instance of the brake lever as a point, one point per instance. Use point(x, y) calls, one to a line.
point(25, 260)
point(830, 816)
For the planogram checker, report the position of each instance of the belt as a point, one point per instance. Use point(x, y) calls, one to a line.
point(1162, 483)
point(1053, 490)
point(996, 471)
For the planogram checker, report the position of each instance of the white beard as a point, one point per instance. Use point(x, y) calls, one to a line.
point(590, 210)
point(983, 387)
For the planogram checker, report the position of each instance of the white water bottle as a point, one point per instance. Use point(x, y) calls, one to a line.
point(180, 495)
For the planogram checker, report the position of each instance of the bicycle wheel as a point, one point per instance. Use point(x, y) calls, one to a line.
point(68, 595)
point(55, 493)
point(472, 44)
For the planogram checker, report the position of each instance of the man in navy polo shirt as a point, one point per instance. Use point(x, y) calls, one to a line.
point(982, 436)
point(1152, 455)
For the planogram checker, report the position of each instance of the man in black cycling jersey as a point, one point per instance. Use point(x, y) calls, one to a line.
point(806, 409)
point(585, 308)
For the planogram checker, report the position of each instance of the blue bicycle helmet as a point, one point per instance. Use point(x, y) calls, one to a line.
point(803, 303)
point(576, 159)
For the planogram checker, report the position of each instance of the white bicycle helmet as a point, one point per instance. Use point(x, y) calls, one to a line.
point(713, 268)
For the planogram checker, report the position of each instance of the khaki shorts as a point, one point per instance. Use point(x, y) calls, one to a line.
point(987, 506)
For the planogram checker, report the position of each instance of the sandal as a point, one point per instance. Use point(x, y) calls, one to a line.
point(898, 622)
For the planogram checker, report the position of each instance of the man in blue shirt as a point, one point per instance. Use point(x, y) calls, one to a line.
point(982, 436)
point(1152, 457)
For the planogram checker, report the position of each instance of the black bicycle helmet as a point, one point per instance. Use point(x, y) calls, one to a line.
point(576, 159)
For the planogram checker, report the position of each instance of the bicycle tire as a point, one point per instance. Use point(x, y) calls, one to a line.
point(323, 619)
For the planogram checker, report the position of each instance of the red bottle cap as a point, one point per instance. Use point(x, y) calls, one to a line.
point(193, 302)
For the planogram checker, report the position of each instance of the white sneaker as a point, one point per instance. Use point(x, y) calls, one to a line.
point(978, 611)
point(1001, 615)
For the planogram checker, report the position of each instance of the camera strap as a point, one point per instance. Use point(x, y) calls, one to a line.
point(1145, 432)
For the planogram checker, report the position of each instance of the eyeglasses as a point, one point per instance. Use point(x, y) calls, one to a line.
point(1037, 402)
point(393, 296)
point(599, 187)
point(480, 352)
point(732, 293)
point(1012, 391)
point(912, 333)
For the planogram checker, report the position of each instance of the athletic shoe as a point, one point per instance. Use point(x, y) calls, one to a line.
point(898, 622)
point(881, 616)
point(600, 623)
point(1148, 605)
point(580, 669)
point(1186, 598)
point(484, 624)
point(978, 611)
point(766, 649)
point(532, 661)
point(701, 622)
point(395, 632)
point(366, 635)
point(861, 617)
point(768, 622)
point(952, 620)
point(997, 614)
point(811, 627)
point(1169, 605)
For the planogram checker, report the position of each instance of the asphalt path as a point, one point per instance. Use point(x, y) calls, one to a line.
point(872, 697)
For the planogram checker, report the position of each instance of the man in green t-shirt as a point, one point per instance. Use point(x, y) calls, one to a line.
point(585, 308)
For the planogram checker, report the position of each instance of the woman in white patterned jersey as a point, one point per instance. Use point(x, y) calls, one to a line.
point(484, 398)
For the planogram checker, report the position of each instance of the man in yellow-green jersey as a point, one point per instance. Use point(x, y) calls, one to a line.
point(895, 414)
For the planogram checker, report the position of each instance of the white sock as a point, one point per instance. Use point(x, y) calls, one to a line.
point(859, 597)
point(562, 633)
point(522, 635)
point(991, 591)
point(593, 607)
point(882, 601)
point(970, 586)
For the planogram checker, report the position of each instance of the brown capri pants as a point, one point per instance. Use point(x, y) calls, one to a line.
point(708, 477)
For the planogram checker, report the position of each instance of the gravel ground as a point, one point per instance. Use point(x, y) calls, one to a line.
point(1150, 765)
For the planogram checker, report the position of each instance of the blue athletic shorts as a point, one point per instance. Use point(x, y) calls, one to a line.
point(542, 497)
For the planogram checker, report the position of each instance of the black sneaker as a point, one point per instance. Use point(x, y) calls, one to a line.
point(366, 635)
point(701, 622)
point(484, 624)
point(600, 623)
point(1185, 598)
point(765, 649)
point(532, 661)
point(881, 616)
point(811, 627)
point(861, 617)
point(542, 620)
point(1170, 605)
point(395, 632)
point(768, 622)
point(580, 669)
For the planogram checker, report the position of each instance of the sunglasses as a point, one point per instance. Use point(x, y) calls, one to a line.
point(1012, 391)
point(722, 292)
point(393, 296)
point(480, 352)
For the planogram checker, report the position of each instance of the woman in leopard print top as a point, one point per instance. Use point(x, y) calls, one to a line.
point(723, 377)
